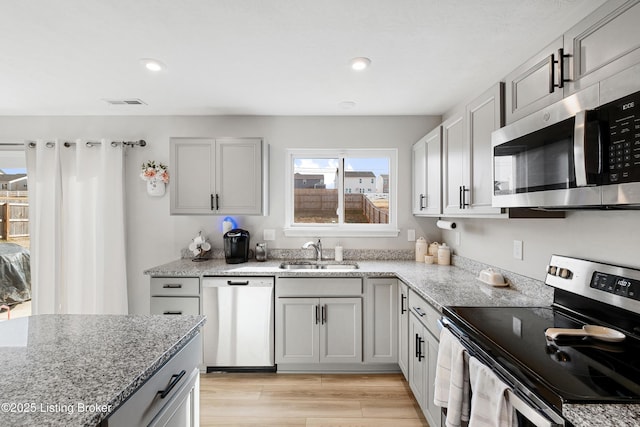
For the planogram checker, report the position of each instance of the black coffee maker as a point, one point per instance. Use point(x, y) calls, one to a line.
point(236, 246)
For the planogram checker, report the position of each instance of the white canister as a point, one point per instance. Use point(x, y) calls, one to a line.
point(421, 249)
point(433, 249)
point(444, 255)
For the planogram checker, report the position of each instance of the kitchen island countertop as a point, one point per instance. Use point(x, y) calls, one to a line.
point(75, 370)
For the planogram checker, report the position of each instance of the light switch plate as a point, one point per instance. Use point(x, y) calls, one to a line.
point(269, 234)
point(411, 235)
point(517, 249)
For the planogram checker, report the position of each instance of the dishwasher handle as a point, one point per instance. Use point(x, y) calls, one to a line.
point(232, 283)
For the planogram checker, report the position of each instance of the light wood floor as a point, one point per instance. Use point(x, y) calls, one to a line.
point(345, 400)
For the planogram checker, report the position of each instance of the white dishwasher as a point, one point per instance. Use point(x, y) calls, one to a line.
point(238, 334)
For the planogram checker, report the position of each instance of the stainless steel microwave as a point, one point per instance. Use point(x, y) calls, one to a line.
point(572, 154)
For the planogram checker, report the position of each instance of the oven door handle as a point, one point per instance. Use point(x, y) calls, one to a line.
point(528, 412)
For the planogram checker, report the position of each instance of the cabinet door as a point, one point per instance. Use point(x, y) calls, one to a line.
point(433, 413)
point(192, 179)
point(484, 115)
point(417, 362)
point(341, 330)
point(603, 44)
point(433, 205)
point(454, 167)
point(531, 86)
point(381, 321)
point(419, 193)
point(297, 327)
point(238, 176)
point(403, 328)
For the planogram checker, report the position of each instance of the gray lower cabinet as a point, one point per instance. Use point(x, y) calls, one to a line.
point(423, 353)
point(170, 398)
point(175, 295)
point(381, 320)
point(403, 328)
point(318, 322)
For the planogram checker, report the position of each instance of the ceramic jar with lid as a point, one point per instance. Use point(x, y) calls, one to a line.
point(444, 255)
point(421, 249)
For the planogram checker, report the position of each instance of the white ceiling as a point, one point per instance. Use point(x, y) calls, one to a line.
point(266, 57)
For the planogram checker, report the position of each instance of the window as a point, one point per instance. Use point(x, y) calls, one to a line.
point(341, 206)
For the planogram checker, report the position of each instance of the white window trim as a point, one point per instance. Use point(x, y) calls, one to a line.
point(341, 230)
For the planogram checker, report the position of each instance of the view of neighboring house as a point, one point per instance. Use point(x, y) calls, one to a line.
point(13, 182)
point(359, 182)
point(302, 180)
point(382, 183)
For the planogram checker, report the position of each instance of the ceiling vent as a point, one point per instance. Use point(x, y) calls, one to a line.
point(132, 101)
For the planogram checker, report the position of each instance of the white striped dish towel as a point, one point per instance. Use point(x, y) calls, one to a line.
point(489, 405)
point(452, 379)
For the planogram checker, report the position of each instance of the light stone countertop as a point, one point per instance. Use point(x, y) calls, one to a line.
point(75, 370)
point(440, 286)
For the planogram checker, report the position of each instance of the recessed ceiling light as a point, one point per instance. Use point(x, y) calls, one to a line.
point(153, 64)
point(360, 63)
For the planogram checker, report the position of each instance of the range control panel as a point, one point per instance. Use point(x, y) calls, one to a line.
point(616, 285)
point(623, 131)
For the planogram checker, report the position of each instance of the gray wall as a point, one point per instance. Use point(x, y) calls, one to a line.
point(154, 237)
point(609, 236)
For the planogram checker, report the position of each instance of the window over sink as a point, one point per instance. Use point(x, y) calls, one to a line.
point(341, 192)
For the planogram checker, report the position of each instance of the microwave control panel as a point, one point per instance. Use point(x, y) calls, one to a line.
point(622, 118)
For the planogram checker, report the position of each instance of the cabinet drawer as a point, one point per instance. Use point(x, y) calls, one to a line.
point(175, 305)
point(318, 287)
point(142, 406)
point(175, 286)
point(425, 312)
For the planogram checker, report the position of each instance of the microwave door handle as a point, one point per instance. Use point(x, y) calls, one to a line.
point(579, 142)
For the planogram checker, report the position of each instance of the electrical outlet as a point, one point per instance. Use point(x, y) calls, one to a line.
point(456, 235)
point(269, 234)
point(517, 249)
point(411, 235)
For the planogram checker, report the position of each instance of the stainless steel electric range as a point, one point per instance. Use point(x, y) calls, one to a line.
point(545, 373)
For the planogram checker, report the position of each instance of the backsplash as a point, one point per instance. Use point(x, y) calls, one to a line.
point(327, 254)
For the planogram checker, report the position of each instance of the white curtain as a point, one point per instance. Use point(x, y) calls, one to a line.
point(76, 214)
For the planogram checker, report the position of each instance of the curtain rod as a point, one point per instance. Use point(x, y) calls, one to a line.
point(49, 144)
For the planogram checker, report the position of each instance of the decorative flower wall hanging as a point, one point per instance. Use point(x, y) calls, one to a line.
point(156, 175)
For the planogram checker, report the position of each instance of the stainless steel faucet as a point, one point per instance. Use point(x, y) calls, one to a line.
point(317, 246)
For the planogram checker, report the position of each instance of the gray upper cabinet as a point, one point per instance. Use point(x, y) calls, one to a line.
point(466, 142)
point(484, 115)
point(217, 176)
point(454, 164)
point(427, 176)
point(533, 85)
point(603, 44)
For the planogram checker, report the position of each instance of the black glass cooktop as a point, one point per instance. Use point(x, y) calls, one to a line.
point(565, 370)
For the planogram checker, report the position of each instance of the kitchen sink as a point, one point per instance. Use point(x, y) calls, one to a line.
point(305, 265)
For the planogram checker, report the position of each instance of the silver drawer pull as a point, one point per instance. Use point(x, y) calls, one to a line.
point(172, 286)
point(419, 311)
point(172, 312)
point(175, 379)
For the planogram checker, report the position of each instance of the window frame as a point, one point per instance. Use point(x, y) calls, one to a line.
point(341, 229)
